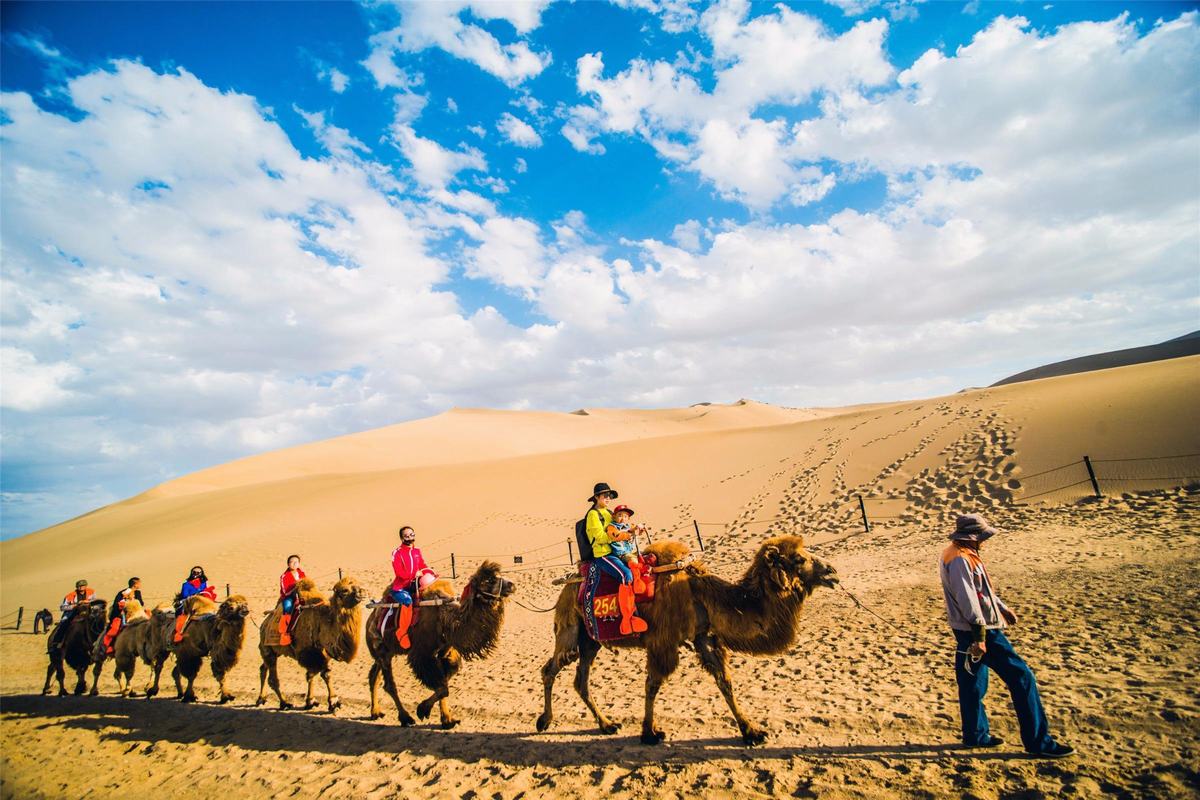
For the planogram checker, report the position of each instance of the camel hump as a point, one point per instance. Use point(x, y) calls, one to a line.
point(134, 611)
point(439, 588)
point(198, 604)
point(668, 551)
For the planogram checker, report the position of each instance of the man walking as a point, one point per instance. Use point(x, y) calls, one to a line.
point(978, 618)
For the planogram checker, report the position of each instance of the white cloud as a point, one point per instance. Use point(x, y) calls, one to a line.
point(338, 141)
point(687, 235)
point(781, 58)
point(451, 106)
point(338, 80)
point(32, 386)
point(520, 166)
point(510, 254)
point(478, 130)
point(518, 131)
point(424, 25)
point(676, 15)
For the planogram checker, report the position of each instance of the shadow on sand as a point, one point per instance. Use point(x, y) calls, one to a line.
point(142, 722)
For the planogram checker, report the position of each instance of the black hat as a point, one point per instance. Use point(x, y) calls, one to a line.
point(599, 488)
point(80, 584)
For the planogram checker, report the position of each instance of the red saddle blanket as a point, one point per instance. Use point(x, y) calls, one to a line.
point(598, 601)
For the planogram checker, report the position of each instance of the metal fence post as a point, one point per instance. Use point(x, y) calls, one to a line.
point(339, 573)
point(862, 507)
point(453, 569)
point(696, 525)
point(20, 616)
point(570, 551)
point(227, 590)
point(1087, 462)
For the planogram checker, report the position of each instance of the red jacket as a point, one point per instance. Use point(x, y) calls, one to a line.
point(288, 581)
point(407, 562)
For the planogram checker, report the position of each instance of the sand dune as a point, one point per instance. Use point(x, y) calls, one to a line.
point(856, 709)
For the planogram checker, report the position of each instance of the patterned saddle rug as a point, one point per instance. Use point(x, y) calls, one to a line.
point(598, 601)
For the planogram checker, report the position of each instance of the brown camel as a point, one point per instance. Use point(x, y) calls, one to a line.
point(325, 630)
point(84, 628)
point(145, 639)
point(757, 615)
point(442, 637)
point(214, 631)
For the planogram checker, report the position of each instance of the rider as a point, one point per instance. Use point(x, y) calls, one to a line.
point(407, 564)
point(197, 583)
point(287, 597)
point(599, 519)
point(82, 595)
point(116, 615)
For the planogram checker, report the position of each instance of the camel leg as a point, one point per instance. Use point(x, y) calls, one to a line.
point(566, 650)
point(96, 678)
point(219, 674)
point(178, 684)
point(588, 648)
point(660, 663)
point(81, 685)
point(119, 677)
point(334, 701)
point(269, 674)
point(374, 678)
point(50, 677)
point(389, 686)
point(159, 661)
point(714, 659)
point(311, 677)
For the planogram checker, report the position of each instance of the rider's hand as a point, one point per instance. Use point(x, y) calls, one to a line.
point(976, 650)
point(1009, 616)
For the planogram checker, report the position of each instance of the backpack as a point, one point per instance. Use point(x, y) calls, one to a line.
point(582, 540)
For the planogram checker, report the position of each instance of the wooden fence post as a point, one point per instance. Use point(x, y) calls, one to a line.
point(862, 507)
point(453, 569)
point(227, 591)
point(570, 551)
point(20, 616)
point(1087, 462)
point(339, 573)
point(696, 525)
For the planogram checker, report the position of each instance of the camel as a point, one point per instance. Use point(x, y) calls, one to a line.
point(326, 630)
point(146, 639)
point(85, 627)
point(442, 637)
point(756, 615)
point(214, 631)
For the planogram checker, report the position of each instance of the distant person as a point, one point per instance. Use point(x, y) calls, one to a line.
point(599, 520)
point(196, 584)
point(412, 574)
point(978, 617)
point(116, 615)
point(45, 618)
point(287, 597)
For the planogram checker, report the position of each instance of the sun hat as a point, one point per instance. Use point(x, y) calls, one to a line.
point(972, 528)
point(626, 509)
point(80, 584)
point(600, 488)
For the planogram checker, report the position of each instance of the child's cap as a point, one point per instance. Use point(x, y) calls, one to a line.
point(626, 509)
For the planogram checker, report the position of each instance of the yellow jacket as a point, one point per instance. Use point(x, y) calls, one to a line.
point(597, 525)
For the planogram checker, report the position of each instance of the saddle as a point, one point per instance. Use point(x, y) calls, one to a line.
point(597, 600)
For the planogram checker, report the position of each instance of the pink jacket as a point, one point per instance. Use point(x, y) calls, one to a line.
point(406, 563)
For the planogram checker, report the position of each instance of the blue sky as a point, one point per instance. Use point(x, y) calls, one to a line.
point(231, 227)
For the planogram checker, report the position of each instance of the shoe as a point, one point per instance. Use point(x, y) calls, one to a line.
point(991, 741)
point(1055, 750)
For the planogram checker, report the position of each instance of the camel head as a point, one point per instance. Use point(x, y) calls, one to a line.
point(347, 593)
point(233, 609)
point(96, 613)
point(786, 567)
point(487, 583)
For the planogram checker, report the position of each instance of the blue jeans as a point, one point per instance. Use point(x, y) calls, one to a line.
point(402, 597)
point(289, 603)
point(1000, 656)
point(615, 567)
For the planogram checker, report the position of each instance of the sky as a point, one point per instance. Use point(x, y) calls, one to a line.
point(227, 228)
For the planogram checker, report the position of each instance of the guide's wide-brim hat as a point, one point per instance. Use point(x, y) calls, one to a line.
point(972, 528)
point(600, 488)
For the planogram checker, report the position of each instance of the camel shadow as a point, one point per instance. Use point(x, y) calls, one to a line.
point(143, 723)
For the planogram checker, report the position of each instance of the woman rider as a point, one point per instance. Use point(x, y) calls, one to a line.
point(197, 583)
point(598, 519)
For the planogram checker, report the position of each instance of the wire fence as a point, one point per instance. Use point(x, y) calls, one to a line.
point(1097, 477)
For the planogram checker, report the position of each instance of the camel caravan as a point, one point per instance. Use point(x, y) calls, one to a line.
point(657, 598)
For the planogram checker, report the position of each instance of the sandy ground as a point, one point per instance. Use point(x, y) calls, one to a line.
point(1108, 592)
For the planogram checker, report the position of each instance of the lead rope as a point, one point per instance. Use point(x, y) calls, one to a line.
point(971, 660)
